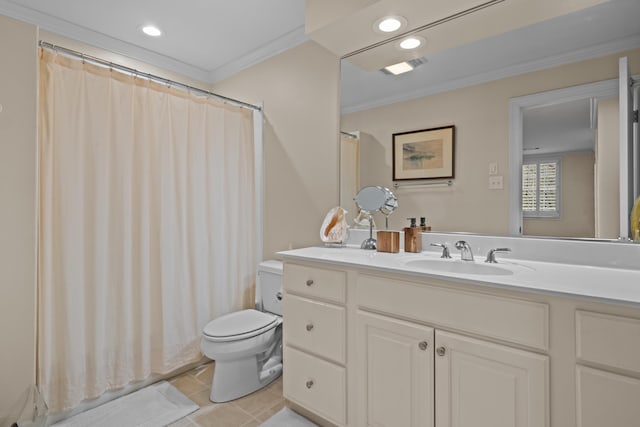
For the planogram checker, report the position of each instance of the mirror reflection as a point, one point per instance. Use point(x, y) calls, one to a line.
point(470, 85)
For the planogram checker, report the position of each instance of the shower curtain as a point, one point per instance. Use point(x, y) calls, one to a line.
point(146, 226)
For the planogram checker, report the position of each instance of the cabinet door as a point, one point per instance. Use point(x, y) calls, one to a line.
point(606, 399)
point(395, 378)
point(481, 384)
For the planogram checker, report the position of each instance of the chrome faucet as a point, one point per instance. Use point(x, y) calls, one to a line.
point(445, 249)
point(491, 255)
point(465, 250)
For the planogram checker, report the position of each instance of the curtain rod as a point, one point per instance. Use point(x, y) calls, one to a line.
point(152, 77)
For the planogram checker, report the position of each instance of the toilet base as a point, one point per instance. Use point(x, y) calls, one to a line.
point(236, 378)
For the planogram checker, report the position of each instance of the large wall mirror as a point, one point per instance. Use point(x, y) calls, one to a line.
point(558, 76)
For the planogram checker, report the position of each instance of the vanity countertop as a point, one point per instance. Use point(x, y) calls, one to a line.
point(616, 285)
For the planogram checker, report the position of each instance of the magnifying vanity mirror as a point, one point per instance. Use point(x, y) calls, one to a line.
point(373, 199)
point(468, 76)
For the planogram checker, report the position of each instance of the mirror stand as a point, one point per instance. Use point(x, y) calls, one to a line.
point(370, 243)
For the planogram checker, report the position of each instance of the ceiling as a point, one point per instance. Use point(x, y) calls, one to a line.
point(559, 128)
point(206, 40)
point(209, 40)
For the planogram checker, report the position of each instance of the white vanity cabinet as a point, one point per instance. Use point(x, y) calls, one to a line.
point(417, 375)
point(314, 340)
point(378, 346)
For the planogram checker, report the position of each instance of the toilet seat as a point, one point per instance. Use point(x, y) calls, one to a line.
point(240, 325)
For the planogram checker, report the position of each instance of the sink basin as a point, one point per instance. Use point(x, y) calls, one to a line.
point(462, 267)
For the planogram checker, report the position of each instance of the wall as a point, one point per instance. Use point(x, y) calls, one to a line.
point(481, 116)
point(576, 204)
point(607, 158)
point(18, 83)
point(299, 91)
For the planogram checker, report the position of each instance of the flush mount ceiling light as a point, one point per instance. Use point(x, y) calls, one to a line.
point(404, 67)
point(412, 42)
point(389, 24)
point(399, 68)
point(151, 30)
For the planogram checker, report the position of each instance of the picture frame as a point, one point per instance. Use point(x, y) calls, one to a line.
point(424, 154)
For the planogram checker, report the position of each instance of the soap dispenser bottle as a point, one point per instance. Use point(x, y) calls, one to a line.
point(423, 224)
point(412, 237)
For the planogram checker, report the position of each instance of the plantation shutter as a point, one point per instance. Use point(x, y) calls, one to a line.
point(530, 187)
point(548, 186)
point(540, 188)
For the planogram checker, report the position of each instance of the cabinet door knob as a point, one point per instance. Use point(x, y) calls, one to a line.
point(279, 296)
point(309, 282)
point(423, 345)
point(309, 383)
point(309, 326)
point(441, 351)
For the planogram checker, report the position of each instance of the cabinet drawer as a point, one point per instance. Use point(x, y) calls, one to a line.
point(315, 384)
point(608, 340)
point(507, 319)
point(315, 282)
point(316, 327)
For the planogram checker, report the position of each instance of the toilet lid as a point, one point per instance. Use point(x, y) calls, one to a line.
point(239, 323)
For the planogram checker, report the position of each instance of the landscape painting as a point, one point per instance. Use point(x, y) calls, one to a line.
point(424, 154)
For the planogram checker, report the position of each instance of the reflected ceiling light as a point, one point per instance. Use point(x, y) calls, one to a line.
point(412, 42)
point(399, 68)
point(152, 31)
point(389, 24)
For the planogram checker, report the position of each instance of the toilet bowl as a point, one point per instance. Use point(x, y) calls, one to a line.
point(247, 344)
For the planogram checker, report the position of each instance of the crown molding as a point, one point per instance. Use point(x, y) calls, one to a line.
point(285, 42)
point(596, 51)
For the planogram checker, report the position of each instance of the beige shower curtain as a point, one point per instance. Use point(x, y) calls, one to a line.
point(147, 226)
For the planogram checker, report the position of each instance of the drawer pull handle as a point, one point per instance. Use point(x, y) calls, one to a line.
point(423, 345)
point(309, 282)
point(309, 326)
point(309, 383)
point(441, 351)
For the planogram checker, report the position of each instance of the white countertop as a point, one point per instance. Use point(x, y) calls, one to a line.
point(616, 285)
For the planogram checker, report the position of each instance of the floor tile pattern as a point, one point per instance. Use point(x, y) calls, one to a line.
point(248, 411)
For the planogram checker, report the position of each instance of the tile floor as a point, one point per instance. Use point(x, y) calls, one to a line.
point(249, 411)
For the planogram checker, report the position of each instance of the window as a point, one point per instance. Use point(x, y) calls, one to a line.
point(541, 188)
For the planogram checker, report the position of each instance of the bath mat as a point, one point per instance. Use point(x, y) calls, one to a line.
point(287, 418)
point(157, 405)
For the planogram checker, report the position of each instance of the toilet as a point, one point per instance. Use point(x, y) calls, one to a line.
point(247, 344)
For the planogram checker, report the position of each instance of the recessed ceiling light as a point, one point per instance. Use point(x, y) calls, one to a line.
point(399, 68)
point(152, 31)
point(411, 42)
point(389, 24)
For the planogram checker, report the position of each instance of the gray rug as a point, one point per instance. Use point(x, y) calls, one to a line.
point(287, 418)
point(157, 405)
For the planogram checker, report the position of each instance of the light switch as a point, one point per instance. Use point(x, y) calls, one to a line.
point(493, 168)
point(495, 182)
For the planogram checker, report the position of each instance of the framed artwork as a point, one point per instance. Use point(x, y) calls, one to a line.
point(423, 154)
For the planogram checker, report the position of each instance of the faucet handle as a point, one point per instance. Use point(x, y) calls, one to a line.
point(491, 255)
point(445, 250)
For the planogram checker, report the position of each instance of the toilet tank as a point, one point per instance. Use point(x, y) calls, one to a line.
point(269, 287)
